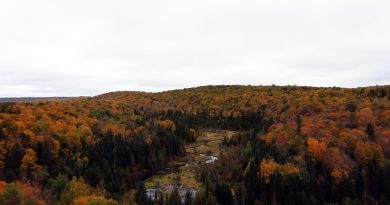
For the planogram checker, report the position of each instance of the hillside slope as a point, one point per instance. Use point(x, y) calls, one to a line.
point(328, 145)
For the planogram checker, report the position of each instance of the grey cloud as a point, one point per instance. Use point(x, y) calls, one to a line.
point(65, 48)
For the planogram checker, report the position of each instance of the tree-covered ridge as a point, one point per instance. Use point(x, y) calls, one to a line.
point(327, 145)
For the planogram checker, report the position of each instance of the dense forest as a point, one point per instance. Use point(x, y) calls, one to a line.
point(292, 145)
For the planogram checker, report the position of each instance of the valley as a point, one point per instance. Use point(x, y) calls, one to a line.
point(181, 173)
point(280, 145)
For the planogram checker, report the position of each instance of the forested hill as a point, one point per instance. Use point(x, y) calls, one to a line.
point(295, 145)
point(243, 98)
point(33, 99)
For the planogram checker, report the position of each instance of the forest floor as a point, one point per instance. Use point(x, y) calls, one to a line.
point(181, 173)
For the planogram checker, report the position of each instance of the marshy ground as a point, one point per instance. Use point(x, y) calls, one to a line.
point(181, 173)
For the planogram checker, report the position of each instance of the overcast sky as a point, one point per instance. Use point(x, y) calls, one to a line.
point(88, 47)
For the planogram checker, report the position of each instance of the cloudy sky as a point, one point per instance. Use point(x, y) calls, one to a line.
point(88, 47)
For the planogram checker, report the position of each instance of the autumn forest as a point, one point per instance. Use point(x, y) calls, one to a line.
point(228, 145)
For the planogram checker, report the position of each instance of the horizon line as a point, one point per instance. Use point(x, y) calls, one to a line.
point(184, 88)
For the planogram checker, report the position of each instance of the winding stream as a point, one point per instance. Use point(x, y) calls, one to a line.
point(181, 173)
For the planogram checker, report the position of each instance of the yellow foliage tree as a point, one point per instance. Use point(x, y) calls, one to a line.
point(92, 200)
point(54, 149)
point(366, 151)
point(316, 148)
point(288, 169)
point(74, 189)
point(268, 168)
point(28, 164)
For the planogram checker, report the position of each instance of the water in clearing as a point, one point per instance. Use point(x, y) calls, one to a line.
point(181, 173)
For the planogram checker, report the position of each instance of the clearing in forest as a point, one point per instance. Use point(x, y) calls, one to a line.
point(181, 173)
